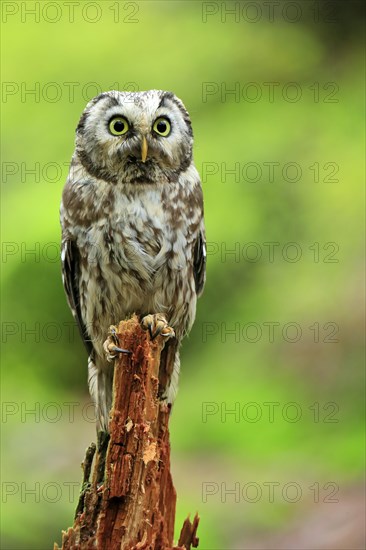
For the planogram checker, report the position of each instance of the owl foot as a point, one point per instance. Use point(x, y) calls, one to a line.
point(157, 324)
point(110, 346)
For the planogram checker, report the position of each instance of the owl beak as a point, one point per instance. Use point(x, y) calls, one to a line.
point(143, 149)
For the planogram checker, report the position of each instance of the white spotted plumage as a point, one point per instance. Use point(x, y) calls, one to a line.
point(133, 232)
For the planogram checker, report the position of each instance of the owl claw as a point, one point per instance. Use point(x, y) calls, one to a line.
point(110, 347)
point(119, 350)
point(157, 324)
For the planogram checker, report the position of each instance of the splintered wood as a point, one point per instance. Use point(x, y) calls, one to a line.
point(130, 502)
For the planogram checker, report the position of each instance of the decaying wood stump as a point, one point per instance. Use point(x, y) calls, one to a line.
point(129, 503)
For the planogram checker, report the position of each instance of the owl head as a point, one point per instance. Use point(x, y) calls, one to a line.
point(135, 137)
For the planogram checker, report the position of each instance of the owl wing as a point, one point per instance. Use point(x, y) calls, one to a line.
point(70, 276)
point(199, 262)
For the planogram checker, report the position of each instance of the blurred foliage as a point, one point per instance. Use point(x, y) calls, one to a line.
point(170, 47)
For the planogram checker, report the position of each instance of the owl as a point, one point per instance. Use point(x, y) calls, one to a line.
point(133, 236)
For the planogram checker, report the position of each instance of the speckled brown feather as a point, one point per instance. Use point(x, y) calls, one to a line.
point(132, 232)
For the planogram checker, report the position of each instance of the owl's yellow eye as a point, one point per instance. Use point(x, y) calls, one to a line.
point(162, 126)
point(118, 126)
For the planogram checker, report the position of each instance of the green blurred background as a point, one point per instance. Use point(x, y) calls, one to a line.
point(201, 51)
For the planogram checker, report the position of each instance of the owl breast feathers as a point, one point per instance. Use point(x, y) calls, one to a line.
point(133, 237)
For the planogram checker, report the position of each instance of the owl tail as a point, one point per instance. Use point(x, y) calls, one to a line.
point(101, 391)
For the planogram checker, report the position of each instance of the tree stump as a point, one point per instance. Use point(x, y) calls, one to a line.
point(129, 503)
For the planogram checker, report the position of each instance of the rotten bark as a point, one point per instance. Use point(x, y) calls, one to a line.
point(129, 504)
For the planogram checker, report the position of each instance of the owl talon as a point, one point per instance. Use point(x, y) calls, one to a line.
point(110, 347)
point(119, 350)
point(157, 324)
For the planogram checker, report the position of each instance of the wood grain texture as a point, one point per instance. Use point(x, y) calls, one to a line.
point(133, 507)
